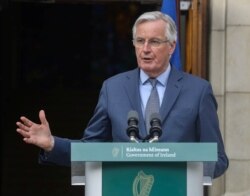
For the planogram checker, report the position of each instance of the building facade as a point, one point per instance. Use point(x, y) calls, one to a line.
point(229, 65)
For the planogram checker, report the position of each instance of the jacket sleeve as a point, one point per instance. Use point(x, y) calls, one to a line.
point(208, 129)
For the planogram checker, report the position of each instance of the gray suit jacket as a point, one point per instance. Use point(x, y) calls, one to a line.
point(188, 113)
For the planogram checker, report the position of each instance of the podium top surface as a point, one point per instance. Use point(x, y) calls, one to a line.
point(152, 152)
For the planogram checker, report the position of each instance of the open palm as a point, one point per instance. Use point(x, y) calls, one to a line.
point(36, 134)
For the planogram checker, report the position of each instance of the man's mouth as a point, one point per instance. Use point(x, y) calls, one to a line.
point(146, 59)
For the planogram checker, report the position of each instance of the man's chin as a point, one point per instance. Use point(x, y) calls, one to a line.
point(148, 68)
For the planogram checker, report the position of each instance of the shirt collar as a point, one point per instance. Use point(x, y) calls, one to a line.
point(162, 79)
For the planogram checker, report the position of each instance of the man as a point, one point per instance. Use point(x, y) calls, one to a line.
point(187, 105)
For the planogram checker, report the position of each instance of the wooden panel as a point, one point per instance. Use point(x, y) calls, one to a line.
point(197, 39)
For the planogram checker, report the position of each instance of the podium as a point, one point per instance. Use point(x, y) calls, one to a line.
point(141, 169)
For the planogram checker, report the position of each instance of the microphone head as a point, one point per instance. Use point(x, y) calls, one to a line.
point(133, 115)
point(155, 121)
point(155, 117)
point(133, 119)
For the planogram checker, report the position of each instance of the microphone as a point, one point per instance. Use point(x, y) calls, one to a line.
point(155, 131)
point(133, 130)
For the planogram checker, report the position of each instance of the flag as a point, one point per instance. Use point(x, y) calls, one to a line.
point(169, 7)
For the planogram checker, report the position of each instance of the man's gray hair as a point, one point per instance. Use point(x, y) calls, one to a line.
point(170, 32)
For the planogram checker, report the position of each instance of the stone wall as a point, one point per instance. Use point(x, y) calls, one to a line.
point(230, 76)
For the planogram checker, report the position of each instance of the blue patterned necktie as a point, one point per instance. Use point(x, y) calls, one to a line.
point(153, 104)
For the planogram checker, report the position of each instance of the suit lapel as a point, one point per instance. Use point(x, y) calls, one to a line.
point(133, 92)
point(132, 89)
point(171, 93)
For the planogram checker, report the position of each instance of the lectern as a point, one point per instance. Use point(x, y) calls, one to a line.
point(142, 169)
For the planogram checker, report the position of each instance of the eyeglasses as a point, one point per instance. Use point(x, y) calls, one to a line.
point(139, 42)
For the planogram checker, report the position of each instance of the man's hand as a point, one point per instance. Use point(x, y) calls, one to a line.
point(36, 134)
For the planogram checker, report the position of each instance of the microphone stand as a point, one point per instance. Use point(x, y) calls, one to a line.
point(133, 139)
point(154, 139)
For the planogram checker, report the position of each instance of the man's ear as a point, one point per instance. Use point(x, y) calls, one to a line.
point(172, 47)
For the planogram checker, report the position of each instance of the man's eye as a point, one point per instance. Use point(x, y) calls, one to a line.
point(154, 42)
point(140, 41)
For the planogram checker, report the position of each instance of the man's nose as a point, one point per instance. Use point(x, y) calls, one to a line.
point(146, 46)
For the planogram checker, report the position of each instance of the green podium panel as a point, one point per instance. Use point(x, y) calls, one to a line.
point(143, 169)
point(144, 178)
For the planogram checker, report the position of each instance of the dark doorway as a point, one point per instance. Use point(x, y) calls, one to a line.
point(55, 57)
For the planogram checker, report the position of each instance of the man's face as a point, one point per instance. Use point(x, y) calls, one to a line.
point(150, 58)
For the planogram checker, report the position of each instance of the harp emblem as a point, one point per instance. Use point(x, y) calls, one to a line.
point(115, 152)
point(142, 184)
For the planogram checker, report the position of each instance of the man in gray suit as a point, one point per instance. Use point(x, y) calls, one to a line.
point(188, 109)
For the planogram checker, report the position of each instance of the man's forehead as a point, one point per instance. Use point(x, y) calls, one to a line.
point(151, 28)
